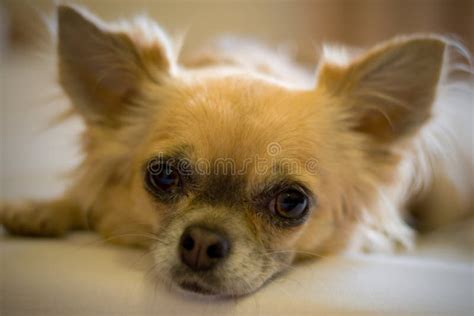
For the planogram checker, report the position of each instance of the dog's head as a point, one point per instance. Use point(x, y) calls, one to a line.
point(238, 174)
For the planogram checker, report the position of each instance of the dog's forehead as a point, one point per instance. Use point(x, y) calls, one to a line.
point(234, 117)
point(232, 126)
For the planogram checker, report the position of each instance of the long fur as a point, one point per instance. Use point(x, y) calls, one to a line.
point(389, 130)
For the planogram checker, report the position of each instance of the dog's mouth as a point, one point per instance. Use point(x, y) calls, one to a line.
point(196, 287)
point(205, 283)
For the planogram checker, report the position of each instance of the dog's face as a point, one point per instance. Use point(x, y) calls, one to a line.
point(236, 174)
point(232, 206)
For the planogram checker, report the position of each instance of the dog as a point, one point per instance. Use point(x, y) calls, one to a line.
point(237, 162)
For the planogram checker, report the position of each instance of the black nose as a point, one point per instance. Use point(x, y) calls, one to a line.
point(201, 248)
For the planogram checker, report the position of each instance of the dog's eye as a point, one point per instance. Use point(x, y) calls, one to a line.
point(163, 178)
point(290, 204)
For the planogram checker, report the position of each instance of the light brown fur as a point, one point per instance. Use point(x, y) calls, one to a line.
point(367, 124)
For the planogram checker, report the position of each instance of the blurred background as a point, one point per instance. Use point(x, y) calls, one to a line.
point(354, 22)
point(32, 155)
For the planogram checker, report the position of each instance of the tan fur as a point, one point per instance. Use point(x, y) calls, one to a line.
point(367, 121)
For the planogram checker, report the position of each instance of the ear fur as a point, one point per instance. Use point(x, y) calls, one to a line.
point(388, 92)
point(101, 66)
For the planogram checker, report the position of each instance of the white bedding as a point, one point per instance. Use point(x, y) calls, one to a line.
point(82, 276)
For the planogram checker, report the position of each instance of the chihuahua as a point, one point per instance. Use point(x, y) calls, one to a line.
point(236, 162)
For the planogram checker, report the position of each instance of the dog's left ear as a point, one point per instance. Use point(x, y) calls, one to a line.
point(102, 66)
point(387, 93)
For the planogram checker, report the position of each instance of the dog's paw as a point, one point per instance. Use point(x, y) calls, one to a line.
point(32, 219)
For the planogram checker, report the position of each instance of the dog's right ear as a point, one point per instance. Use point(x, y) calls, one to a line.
point(101, 67)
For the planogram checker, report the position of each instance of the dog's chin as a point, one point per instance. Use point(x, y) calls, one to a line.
point(199, 287)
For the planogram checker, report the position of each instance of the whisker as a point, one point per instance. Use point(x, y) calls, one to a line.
point(103, 240)
point(308, 253)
